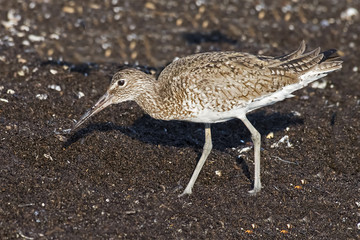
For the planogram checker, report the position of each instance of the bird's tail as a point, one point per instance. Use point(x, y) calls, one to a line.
point(309, 66)
point(326, 62)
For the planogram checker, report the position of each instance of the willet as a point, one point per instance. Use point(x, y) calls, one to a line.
point(215, 87)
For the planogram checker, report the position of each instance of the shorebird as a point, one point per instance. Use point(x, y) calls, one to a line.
point(214, 87)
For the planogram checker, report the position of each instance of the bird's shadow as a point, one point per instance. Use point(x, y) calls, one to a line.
point(184, 134)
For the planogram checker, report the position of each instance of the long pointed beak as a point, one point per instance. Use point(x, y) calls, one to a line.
point(103, 102)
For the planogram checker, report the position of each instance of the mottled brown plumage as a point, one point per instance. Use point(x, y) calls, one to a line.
point(217, 86)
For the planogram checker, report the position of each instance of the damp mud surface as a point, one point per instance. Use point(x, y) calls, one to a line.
point(120, 174)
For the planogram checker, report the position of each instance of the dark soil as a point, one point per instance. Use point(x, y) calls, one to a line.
point(119, 176)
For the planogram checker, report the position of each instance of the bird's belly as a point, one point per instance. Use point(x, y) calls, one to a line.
point(213, 116)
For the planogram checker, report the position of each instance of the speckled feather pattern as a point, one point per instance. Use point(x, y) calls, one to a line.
point(217, 86)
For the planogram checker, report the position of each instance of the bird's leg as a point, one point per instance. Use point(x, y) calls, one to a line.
point(206, 151)
point(256, 138)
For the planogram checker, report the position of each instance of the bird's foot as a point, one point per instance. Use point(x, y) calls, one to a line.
point(255, 190)
point(185, 192)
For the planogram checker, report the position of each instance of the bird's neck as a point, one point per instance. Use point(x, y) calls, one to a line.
point(152, 100)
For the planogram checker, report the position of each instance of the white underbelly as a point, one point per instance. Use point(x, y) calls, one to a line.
point(211, 116)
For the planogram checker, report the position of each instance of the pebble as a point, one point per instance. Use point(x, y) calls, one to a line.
point(117, 16)
point(108, 53)
point(50, 52)
point(54, 36)
point(355, 69)
point(324, 23)
point(304, 97)
point(20, 34)
point(7, 41)
point(24, 28)
point(68, 9)
point(296, 113)
point(179, 22)
point(25, 43)
point(133, 55)
point(205, 24)
point(32, 5)
point(95, 6)
point(261, 15)
point(260, 7)
point(42, 96)
point(21, 73)
point(270, 135)
point(4, 100)
point(61, 138)
point(150, 5)
point(132, 45)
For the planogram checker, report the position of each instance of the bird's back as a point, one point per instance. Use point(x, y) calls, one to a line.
point(222, 82)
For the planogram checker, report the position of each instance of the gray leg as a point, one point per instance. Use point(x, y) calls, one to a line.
point(256, 138)
point(206, 151)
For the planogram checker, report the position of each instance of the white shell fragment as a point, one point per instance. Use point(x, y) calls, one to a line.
point(54, 36)
point(319, 84)
point(80, 94)
point(55, 87)
point(349, 13)
point(53, 71)
point(13, 18)
point(25, 43)
point(284, 139)
point(10, 91)
point(245, 149)
point(42, 96)
point(48, 156)
point(35, 38)
point(21, 73)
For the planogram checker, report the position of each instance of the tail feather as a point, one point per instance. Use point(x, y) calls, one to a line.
point(304, 62)
point(329, 54)
point(299, 69)
point(328, 63)
point(294, 54)
point(316, 62)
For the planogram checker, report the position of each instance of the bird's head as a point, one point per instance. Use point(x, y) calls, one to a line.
point(126, 85)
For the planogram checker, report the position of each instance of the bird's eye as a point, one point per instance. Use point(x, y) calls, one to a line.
point(121, 82)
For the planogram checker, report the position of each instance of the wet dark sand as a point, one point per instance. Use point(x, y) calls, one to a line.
point(119, 175)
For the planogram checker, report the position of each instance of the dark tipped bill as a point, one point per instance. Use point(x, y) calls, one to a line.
point(103, 102)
